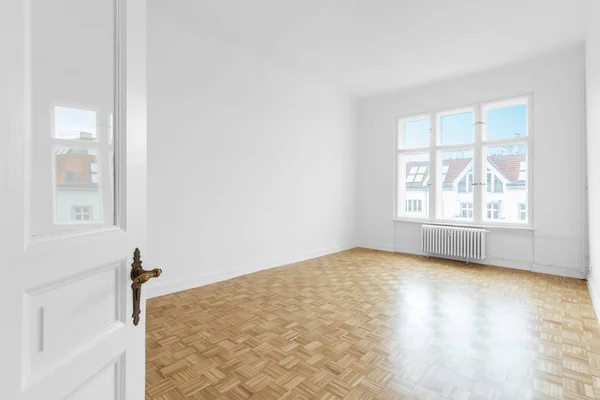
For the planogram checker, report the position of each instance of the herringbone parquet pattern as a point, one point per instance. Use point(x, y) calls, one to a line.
point(363, 324)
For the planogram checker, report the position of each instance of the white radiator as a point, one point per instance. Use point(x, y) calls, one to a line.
point(453, 241)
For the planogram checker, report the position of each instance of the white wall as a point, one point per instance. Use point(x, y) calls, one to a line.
point(593, 149)
point(558, 243)
point(250, 166)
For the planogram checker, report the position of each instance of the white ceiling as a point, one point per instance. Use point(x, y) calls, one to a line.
point(370, 46)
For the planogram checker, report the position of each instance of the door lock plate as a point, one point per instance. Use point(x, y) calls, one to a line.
point(139, 276)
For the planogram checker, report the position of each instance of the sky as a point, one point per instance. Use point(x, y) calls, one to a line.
point(69, 120)
point(501, 123)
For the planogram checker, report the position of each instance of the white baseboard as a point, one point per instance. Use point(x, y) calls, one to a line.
point(378, 246)
point(177, 285)
point(498, 262)
point(595, 296)
point(539, 268)
point(560, 271)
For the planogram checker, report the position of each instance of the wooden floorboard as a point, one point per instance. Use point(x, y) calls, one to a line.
point(364, 324)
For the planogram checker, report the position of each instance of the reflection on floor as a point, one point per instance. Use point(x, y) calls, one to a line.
point(363, 324)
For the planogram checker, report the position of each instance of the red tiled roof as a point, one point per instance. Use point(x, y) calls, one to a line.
point(455, 167)
point(507, 165)
point(78, 164)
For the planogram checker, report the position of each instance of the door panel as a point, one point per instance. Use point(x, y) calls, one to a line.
point(73, 197)
point(65, 315)
point(105, 385)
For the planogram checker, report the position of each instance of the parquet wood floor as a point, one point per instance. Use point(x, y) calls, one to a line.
point(364, 324)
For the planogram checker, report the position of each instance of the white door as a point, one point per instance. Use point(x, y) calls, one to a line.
point(72, 198)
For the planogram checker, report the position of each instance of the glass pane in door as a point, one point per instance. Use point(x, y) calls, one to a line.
point(72, 108)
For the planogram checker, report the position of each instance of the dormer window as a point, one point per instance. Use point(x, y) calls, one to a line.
point(466, 184)
point(494, 183)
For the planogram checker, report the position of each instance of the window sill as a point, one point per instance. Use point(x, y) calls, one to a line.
point(499, 227)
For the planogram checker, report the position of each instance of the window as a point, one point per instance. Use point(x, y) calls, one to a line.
point(493, 211)
point(74, 124)
point(80, 150)
point(466, 183)
point(456, 127)
point(416, 174)
point(70, 177)
point(413, 205)
point(82, 213)
point(94, 172)
point(80, 147)
point(508, 165)
point(494, 184)
point(477, 158)
point(415, 133)
point(457, 186)
point(466, 210)
point(413, 197)
point(522, 212)
point(71, 99)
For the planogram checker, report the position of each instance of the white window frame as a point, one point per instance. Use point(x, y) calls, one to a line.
point(478, 147)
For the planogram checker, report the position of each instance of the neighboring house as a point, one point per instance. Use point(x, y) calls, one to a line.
point(78, 196)
point(506, 183)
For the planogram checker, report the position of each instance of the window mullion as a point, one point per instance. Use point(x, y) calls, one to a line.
point(433, 169)
point(478, 167)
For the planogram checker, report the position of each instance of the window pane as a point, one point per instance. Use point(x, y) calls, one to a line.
point(522, 215)
point(415, 187)
point(81, 213)
point(78, 193)
point(506, 198)
point(415, 134)
point(493, 211)
point(72, 48)
point(456, 128)
point(505, 122)
point(456, 188)
point(74, 123)
point(466, 210)
point(414, 205)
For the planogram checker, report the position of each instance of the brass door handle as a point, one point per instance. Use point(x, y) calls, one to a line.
point(144, 276)
point(139, 276)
